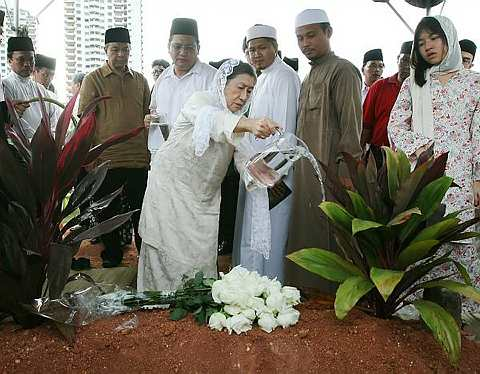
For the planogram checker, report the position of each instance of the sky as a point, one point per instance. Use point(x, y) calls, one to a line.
point(358, 25)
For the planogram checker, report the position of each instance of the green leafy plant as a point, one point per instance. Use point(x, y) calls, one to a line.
point(390, 227)
point(35, 177)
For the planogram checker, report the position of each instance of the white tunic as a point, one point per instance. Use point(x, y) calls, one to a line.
point(276, 97)
point(179, 218)
point(19, 88)
point(170, 93)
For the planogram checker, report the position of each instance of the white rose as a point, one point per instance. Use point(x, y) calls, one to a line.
point(238, 323)
point(267, 322)
point(217, 321)
point(257, 304)
point(273, 286)
point(275, 302)
point(249, 313)
point(228, 295)
point(232, 309)
point(291, 294)
point(217, 289)
point(288, 317)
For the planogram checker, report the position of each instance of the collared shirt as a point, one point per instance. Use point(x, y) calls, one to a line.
point(17, 87)
point(365, 89)
point(377, 107)
point(123, 111)
point(171, 92)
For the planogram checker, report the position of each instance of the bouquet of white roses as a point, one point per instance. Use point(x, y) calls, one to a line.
point(248, 297)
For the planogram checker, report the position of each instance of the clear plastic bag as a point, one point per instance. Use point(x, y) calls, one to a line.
point(84, 306)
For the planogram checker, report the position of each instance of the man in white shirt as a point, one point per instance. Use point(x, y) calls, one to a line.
point(276, 97)
point(180, 80)
point(20, 87)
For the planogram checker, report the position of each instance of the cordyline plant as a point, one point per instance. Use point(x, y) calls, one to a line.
point(35, 177)
point(390, 227)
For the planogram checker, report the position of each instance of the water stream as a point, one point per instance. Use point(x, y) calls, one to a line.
point(267, 168)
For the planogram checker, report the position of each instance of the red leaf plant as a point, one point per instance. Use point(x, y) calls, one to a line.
point(35, 178)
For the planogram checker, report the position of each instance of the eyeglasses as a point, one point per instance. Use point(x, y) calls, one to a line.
point(24, 60)
point(187, 48)
point(375, 66)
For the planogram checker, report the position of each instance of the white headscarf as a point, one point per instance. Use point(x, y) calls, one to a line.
point(205, 119)
point(422, 116)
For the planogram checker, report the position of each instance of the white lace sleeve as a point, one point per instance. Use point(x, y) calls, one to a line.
point(261, 234)
point(203, 127)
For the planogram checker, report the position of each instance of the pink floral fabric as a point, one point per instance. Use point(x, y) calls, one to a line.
point(456, 128)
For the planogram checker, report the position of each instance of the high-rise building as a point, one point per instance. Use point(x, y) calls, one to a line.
point(85, 22)
point(25, 20)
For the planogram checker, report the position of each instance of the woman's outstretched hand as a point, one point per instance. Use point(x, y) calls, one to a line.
point(263, 128)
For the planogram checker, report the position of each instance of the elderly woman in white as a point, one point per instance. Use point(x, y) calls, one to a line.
point(179, 219)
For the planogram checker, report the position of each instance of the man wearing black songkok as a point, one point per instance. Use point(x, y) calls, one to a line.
point(380, 100)
point(468, 52)
point(20, 87)
point(124, 110)
point(186, 75)
point(372, 69)
point(44, 71)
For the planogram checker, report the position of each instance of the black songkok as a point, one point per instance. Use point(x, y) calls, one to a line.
point(184, 26)
point(42, 61)
point(372, 55)
point(292, 62)
point(19, 43)
point(406, 48)
point(117, 35)
point(467, 45)
point(217, 64)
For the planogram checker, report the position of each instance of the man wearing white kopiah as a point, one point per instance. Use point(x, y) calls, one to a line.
point(20, 87)
point(180, 80)
point(276, 97)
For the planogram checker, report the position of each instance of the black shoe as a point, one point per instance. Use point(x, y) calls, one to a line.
point(109, 262)
point(81, 263)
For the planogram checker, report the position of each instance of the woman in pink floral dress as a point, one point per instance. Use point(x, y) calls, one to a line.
point(440, 104)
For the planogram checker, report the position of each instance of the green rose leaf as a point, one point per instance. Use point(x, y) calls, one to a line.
point(178, 313)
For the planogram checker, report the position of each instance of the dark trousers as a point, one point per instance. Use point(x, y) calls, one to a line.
point(228, 210)
point(134, 182)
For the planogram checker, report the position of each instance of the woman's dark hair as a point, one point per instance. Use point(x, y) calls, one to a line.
point(432, 26)
point(242, 68)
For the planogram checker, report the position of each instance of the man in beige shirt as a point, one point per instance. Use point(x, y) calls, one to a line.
point(124, 110)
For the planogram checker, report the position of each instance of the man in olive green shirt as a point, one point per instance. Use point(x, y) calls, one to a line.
point(125, 109)
point(330, 122)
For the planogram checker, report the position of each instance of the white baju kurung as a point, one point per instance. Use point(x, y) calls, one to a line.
point(170, 94)
point(276, 97)
point(179, 219)
point(17, 87)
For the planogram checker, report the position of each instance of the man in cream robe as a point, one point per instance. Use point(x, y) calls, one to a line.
point(276, 97)
point(330, 122)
